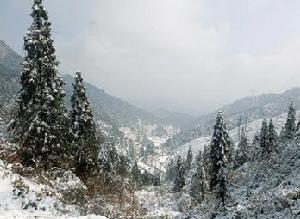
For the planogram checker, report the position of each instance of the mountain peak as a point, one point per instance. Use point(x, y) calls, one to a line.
point(9, 59)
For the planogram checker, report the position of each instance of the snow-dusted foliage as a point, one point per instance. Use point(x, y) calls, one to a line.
point(189, 159)
point(136, 174)
point(197, 181)
point(242, 152)
point(259, 187)
point(83, 130)
point(263, 139)
point(39, 124)
point(179, 181)
point(221, 156)
point(272, 138)
point(51, 195)
point(290, 125)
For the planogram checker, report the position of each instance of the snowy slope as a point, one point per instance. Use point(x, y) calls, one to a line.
point(10, 61)
point(252, 128)
point(23, 197)
point(264, 188)
point(156, 134)
point(242, 111)
point(160, 202)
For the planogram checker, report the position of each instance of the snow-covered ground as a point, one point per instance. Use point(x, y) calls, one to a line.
point(156, 134)
point(25, 215)
point(22, 197)
point(160, 202)
point(251, 129)
point(260, 189)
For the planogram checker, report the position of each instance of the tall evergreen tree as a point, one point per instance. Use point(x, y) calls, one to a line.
point(179, 181)
point(197, 183)
point(219, 148)
point(263, 139)
point(106, 155)
point(255, 149)
point(206, 168)
point(136, 174)
point(290, 125)
point(281, 134)
point(272, 138)
point(40, 121)
point(243, 148)
point(189, 159)
point(171, 170)
point(83, 130)
point(220, 154)
point(147, 147)
point(221, 187)
point(122, 166)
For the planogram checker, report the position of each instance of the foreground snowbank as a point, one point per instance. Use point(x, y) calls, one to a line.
point(26, 215)
point(23, 197)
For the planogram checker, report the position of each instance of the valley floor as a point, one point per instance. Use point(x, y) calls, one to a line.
point(159, 201)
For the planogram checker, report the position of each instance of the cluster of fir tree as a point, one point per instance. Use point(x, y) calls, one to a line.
point(211, 166)
point(174, 166)
point(291, 127)
point(266, 142)
point(48, 135)
point(214, 163)
point(144, 178)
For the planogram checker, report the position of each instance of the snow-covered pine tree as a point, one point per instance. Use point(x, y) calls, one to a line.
point(206, 168)
point(220, 155)
point(136, 174)
point(221, 187)
point(150, 148)
point(83, 130)
point(170, 170)
point(179, 181)
point(281, 134)
point(156, 180)
point(254, 148)
point(256, 138)
point(290, 125)
point(219, 148)
point(189, 159)
point(263, 139)
point(197, 183)
point(272, 138)
point(243, 148)
point(122, 166)
point(40, 122)
point(105, 165)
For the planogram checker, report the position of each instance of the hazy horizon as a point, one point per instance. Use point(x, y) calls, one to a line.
point(181, 55)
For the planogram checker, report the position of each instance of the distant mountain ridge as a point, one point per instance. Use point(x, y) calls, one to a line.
point(180, 119)
point(105, 105)
point(10, 68)
point(256, 107)
point(242, 111)
point(107, 108)
point(10, 61)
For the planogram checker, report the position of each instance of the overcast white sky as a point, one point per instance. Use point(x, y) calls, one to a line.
point(183, 55)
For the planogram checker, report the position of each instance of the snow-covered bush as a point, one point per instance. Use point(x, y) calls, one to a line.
point(70, 187)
